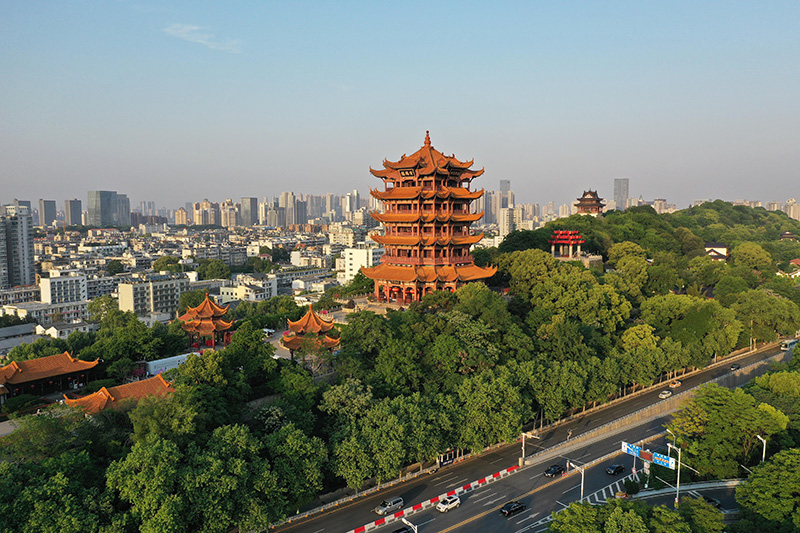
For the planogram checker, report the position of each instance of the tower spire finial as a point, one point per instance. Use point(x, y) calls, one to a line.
point(427, 138)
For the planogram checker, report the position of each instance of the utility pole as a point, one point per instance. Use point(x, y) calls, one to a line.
point(678, 484)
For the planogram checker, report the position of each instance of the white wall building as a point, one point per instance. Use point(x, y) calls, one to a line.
point(363, 256)
point(64, 286)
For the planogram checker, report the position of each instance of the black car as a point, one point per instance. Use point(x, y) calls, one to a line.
point(512, 508)
point(613, 470)
point(554, 470)
point(736, 366)
point(404, 529)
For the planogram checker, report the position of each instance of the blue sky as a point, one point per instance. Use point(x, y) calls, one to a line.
point(179, 101)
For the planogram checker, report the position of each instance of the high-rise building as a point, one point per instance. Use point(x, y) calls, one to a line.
point(102, 208)
point(122, 216)
point(16, 247)
point(181, 217)
point(621, 193)
point(509, 219)
point(47, 212)
point(249, 212)
point(72, 212)
point(206, 213)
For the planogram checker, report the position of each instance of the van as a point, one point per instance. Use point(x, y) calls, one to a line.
point(389, 506)
point(788, 344)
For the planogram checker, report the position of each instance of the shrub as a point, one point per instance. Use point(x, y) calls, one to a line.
point(23, 401)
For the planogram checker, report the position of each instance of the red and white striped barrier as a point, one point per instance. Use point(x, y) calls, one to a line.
point(433, 501)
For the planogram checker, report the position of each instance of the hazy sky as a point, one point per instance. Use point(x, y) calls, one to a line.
point(178, 101)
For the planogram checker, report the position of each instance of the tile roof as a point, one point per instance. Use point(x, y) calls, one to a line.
point(111, 397)
point(43, 367)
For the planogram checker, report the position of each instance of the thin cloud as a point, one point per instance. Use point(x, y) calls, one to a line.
point(197, 34)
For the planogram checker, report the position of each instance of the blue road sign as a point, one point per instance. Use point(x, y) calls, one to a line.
point(663, 460)
point(631, 449)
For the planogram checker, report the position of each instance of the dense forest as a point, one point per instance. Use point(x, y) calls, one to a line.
point(457, 370)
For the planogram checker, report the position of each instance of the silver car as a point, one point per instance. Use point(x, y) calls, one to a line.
point(389, 506)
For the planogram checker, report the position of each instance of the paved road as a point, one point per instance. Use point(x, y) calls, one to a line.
point(359, 512)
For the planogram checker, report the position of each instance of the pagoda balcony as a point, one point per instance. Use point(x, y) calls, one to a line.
point(422, 261)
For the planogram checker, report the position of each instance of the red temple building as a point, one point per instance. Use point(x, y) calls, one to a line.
point(205, 320)
point(426, 218)
point(590, 204)
point(568, 243)
point(113, 397)
point(309, 327)
point(44, 375)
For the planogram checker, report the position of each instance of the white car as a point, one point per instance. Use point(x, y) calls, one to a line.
point(450, 502)
point(665, 394)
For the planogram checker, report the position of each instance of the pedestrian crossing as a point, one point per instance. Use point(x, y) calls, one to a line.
point(598, 497)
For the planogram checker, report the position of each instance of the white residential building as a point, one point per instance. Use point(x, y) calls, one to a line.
point(64, 286)
point(362, 256)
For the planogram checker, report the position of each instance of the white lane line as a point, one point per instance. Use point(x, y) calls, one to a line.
point(492, 502)
point(426, 522)
point(445, 481)
point(483, 497)
point(571, 488)
point(534, 515)
point(496, 460)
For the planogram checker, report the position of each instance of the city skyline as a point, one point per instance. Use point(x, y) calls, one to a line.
point(183, 101)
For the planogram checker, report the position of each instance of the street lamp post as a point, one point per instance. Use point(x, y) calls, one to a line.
point(581, 468)
point(678, 484)
point(764, 451)
point(673, 436)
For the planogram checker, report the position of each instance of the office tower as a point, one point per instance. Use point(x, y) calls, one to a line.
point(16, 247)
point(102, 207)
point(621, 193)
point(72, 212)
point(300, 212)
point(509, 219)
point(122, 216)
point(249, 213)
point(47, 212)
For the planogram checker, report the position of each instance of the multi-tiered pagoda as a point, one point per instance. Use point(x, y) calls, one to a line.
point(206, 320)
point(426, 218)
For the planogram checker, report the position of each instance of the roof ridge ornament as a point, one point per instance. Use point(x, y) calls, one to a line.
point(427, 138)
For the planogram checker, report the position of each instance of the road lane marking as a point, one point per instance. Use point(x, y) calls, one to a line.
point(534, 515)
point(426, 522)
point(483, 497)
point(497, 460)
point(449, 481)
point(571, 488)
point(492, 502)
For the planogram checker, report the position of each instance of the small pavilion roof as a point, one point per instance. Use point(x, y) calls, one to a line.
point(43, 367)
point(206, 309)
point(310, 323)
point(112, 396)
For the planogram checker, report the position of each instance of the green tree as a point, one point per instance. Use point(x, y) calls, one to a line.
point(168, 263)
point(714, 441)
point(114, 267)
point(752, 256)
point(213, 269)
point(766, 316)
point(771, 495)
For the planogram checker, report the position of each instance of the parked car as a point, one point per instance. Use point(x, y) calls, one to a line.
point(450, 502)
point(675, 384)
point(389, 506)
point(554, 470)
point(736, 366)
point(512, 508)
point(614, 470)
point(665, 394)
